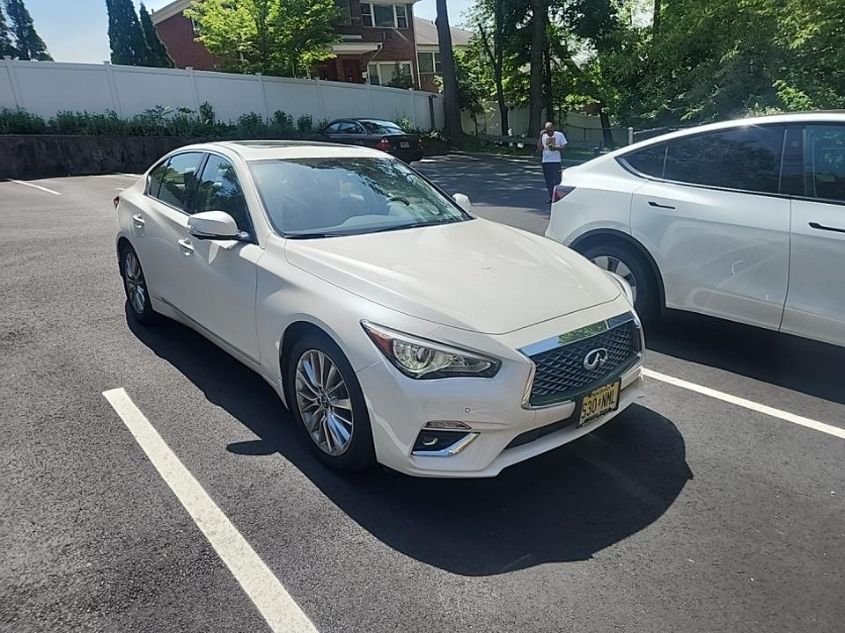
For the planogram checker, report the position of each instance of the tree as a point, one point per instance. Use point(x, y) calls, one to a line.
point(452, 109)
point(274, 37)
point(28, 44)
point(6, 46)
point(492, 36)
point(156, 52)
point(128, 46)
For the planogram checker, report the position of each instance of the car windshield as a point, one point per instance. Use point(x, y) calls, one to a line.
point(382, 127)
point(327, 197)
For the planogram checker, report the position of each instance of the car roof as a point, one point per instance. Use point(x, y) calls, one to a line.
point(251, 150)
point(831, 116)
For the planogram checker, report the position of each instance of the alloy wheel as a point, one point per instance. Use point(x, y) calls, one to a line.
point(136, 286)
point(617, 266)
point(324, 403)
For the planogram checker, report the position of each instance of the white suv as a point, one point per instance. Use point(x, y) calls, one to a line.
point(743, 220)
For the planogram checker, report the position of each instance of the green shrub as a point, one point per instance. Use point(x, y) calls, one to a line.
point(17, 121)
point(305, 124)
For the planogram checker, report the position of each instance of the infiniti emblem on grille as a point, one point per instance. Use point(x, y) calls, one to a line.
point(595, 358)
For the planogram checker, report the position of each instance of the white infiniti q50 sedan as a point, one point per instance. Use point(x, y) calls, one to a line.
point(397, 327)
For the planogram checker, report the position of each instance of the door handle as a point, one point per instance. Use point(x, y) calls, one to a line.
point(657, 205)
point(822, 227)
point(139, 220)
point(186, 247)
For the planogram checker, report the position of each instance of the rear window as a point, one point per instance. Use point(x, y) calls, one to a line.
point(648, 161)
point(825, 161)
point(382, 127)
point(179, 179)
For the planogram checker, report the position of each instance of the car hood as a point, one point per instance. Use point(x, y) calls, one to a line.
point(476, 275)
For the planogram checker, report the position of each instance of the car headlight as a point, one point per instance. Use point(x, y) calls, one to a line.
point(423, 359)
point(624, 285)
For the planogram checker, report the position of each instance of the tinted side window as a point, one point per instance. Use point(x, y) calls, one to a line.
point(154, 179)
point(648, 161)
point(824, 161)
point(219, 190)
point(334, 128)
point(179, 179)
point(350, 127)
point(746, 158)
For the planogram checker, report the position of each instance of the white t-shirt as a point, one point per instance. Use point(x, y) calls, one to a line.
point(551, 146)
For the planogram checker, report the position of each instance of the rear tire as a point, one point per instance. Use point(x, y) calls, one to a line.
point(327, 403)
point(626, 262)
point(135, 286)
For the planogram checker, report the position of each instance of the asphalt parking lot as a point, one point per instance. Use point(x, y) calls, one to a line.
point(692, 511)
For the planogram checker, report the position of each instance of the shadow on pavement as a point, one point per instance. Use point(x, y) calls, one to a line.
point(562, 506)
point(489, 180)
point(787, 361)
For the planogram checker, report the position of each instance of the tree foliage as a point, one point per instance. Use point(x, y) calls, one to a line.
point(274, 37)
point(7, 48)
point(126, 39)
point(668, 62)
point(27, 43)
point(156, 52)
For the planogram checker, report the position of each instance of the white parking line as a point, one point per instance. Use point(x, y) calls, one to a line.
point(263, 588)
point(748, 404)
point(128, 175)
point(29, 184)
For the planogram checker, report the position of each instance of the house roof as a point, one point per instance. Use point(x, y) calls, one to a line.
point(426, 34)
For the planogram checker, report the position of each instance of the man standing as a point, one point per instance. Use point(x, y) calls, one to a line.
point(551, 143)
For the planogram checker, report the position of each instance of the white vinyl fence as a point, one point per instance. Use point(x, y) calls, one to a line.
point(45, 88)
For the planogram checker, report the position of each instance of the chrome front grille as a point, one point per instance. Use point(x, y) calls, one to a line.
point(560, 373)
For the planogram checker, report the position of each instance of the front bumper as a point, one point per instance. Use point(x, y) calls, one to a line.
point(493, 408)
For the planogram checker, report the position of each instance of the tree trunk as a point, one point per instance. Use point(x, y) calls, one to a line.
point(655, 20)
point(548, 94)
point(607, 135)
point(539, 9)
point(452, 110)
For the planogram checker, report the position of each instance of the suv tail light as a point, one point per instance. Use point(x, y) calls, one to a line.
point(560, 192)
point(383, 145)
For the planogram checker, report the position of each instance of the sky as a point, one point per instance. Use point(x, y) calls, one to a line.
point(77, 30)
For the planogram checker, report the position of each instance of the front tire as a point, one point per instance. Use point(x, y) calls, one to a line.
point(632, 267)
point(327, 403)
point(135, 286)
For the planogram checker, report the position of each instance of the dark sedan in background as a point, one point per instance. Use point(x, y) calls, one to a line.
point(383, 135)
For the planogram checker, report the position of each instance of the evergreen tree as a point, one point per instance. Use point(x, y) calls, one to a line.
point(28, 45)
point(157, 52)
point(128, 46)
point(6, 46)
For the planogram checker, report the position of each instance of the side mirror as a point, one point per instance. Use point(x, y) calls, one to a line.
point(213, 225)
point(463, 202)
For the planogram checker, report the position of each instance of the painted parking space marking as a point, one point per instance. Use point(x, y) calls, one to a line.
point(258, 582)
point(747, 404)
point(39, 187)
point(128, 175)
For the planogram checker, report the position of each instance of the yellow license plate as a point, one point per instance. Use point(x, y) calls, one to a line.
point(601, 401)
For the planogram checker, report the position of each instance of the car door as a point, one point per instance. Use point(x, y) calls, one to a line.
point(218, 277)
point(165, 226)
point(815, 304)
point(713, 217)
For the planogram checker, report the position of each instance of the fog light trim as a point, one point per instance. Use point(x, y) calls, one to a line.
point(441, 443)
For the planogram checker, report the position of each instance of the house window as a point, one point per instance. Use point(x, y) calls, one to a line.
point(391, 16)
point(387, 74)
point(344, 15)
point(195, 26)
point(430, 66)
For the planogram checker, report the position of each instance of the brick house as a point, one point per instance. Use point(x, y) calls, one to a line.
point(374, 38)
